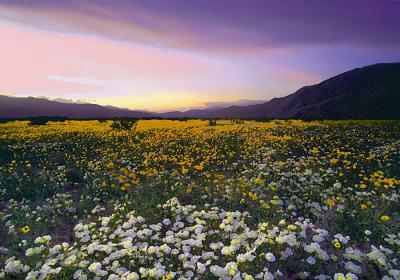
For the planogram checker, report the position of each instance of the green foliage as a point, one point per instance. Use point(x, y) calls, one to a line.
point(38, 121)
point(45, 120)
point(124, 124)
point(237, 121)
point(73, 175)
point(212, 122)
point(5, 120)
point(300, 180)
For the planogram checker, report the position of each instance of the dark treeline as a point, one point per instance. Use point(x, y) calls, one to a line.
point(45, 119)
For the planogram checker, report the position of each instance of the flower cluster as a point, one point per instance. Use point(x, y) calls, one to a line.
point(191, 243)
point(189, 200)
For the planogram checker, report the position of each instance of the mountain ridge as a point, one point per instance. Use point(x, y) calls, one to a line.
point(370, 92)
point(378, 83)
point(23, 107)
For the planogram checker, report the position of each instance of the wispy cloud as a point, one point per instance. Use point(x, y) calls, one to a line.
point(169, 54)
point(219, 25)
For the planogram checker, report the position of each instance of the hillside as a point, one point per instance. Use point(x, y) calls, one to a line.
point(371, 92)
point(19, 107)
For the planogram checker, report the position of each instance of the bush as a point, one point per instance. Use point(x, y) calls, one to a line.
point(45, 120)
point(124, 124)
point(212, 122)
point(39, 121)
point(73, 175)
point(5, 120)
point(237, 121)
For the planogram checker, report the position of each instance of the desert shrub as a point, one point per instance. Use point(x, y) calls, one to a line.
point(5, 120)
point(124, 124)
point(45, 120)
point(212, 122)
point(39, 121)
point(73, 175)
point(237, 121)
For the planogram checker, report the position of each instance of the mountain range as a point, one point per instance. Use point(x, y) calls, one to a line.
point(22, 107)
point(371, 92)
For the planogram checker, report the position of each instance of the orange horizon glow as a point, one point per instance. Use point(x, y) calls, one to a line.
point(133, 55)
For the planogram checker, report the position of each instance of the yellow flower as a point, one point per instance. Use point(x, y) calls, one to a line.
point(259, 181)
point(199, 167)
point(184, 170)
point(272, 201)
point(270, 240)
point(232, 269)
point(25, 229)
point(385, 218)
point(363, 206)
point(337, 245)
point(334, 161)
point(330, 202)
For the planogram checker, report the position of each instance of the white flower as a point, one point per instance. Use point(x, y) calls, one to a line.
point(132, 276)
point(353, 267)
point(201, 268)
point(270, 257)
point(33, 275)
point(77, 274)
point(312, 247)
point(339, 276)
point(311, 260)
point(348, 276)
point(95, 267)
point(231, 268)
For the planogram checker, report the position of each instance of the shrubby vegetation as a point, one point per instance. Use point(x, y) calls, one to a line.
point(186, 200)
point(45, 120)
point(124, 124)
point(212, 122)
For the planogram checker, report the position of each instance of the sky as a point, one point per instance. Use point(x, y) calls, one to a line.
point(164, 55)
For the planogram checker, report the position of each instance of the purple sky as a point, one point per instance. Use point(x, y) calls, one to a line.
point(166, 54)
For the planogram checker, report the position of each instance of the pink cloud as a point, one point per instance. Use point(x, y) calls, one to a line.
point(297, 76)
point(41, 62)
point(28, 56)
point(139, 25)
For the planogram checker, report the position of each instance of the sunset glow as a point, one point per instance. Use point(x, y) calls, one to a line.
point(136, 55)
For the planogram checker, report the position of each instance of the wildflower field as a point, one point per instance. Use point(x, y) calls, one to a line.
point(200, 200)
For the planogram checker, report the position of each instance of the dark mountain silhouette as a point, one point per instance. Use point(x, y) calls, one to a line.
point(371, 92)
point(193, 113)
point(20, 107)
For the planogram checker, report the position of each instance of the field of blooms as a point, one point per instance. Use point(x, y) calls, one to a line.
point(200, 200)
